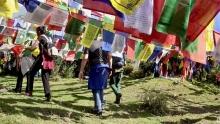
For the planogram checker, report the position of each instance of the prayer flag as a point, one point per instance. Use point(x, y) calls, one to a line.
point(30, 5)
point(209, 37)
point(101, 6)
point(108, 38)
point(90, 34)
point(40, 14)
point(130, 49)
point(200, 54)
point(142, 18)
point(70, 56)
point(126, 6)
point(118, 45)
point(175, 17)
point(8, 7)
point(138, 47)
point(202, 14)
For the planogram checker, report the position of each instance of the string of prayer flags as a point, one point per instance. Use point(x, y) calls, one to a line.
point(90, 34)
point(142, 18)
point(40, 14)
point(175, 17)
point(8, 7)
point(126, 6)
point(202, 14)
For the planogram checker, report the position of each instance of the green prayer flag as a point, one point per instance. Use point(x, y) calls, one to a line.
point(75, 26)
point(138, 47)
point(175, 17)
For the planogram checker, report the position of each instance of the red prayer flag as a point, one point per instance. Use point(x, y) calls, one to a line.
point(202, 14)
point(17, 49)
point(70, 55)
point(99, 6)
point(200, 54)
point(60, 44)
point(10, 22)
point(130, 49)
point(119, 26)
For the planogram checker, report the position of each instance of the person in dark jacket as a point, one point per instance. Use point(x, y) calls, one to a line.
point(45, 53)
point(100, 65)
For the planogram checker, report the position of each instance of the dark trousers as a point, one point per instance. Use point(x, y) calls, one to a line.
point(20, 77)
point(44, 75)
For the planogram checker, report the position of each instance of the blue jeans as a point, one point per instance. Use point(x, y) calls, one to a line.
point(98, 96)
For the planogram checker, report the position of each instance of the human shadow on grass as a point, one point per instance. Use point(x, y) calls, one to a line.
point(8, 106)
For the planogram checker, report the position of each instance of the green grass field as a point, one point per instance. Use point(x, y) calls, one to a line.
point(71, 103)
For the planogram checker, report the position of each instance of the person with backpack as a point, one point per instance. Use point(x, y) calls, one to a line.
point(100, 64)
point(24, 62)
point(118, 61)
point(44, 61)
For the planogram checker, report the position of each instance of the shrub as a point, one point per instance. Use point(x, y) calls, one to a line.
point(137, 74)
point(154, 102)
point(128, 69)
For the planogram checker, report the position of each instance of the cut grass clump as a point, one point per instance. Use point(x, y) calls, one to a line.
point(154, 103)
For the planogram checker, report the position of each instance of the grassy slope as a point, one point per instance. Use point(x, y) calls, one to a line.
point(71, 102)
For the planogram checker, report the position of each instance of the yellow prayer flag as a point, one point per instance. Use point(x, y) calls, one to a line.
point(146, 52)
point(90, 34)
point(209, 37)
point(8, 7)
point(126, 6)
point(109, 27)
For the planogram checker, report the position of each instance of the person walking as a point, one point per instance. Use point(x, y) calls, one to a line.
point(100, 63)
point(44, 61)
point(24, 63)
